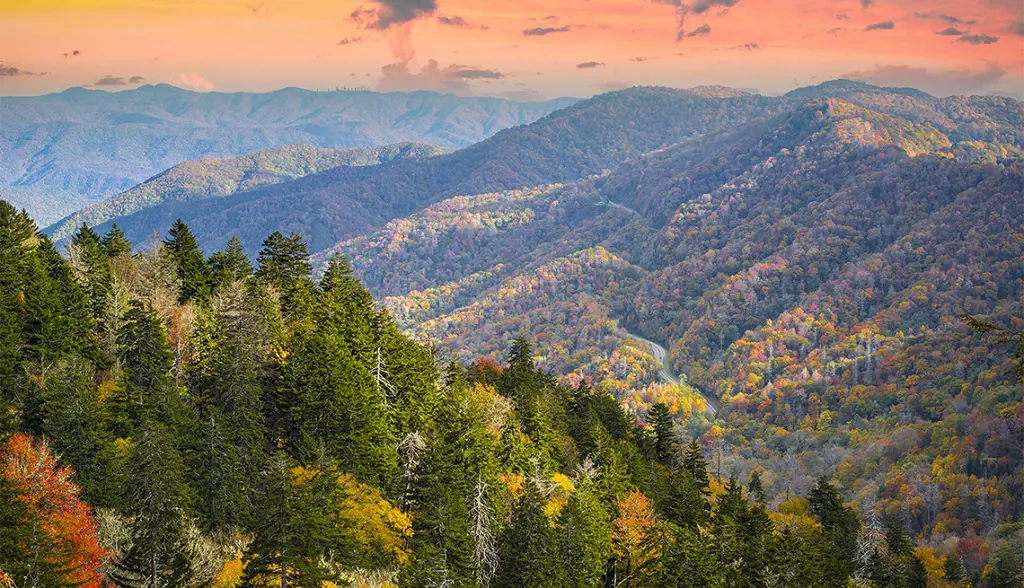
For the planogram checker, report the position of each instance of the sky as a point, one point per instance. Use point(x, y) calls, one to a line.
point(526, 49)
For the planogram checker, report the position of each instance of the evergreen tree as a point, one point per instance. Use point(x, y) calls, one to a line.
point(694, 462)
point(193, 274)
point(283, 261)
point(160, 500)
point(528, 551)
point(229, 265)
point(953, 568)
point(841, 528)
point(27, 554)
point(115, 244)
point(584, 534)
point(661, 420)
point(756, 488)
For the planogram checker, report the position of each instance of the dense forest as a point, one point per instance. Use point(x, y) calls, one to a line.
point(170, 419)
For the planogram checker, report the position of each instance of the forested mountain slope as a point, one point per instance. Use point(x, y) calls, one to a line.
point(808, 271)
point(586, 138)
point(172, 419)
point(63, 151)
point(219, 178)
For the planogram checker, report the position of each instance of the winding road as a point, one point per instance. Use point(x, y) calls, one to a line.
point(661, 356)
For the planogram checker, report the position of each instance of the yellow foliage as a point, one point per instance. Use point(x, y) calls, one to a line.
point(229, 576)
point(107, 390)
point(935, 565)
point(562, 490)
point(377, 525)
point(513, 483)
point(796, 506)
point(630, 530)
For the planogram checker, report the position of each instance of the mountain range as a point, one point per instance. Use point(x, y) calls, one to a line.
point(61, 152)
point(805, 259)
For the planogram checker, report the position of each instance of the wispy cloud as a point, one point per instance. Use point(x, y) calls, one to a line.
point(683, 9)
point(74, 53)
point(946, 18)
point(589, 65)
point(941, 82)
point(978, 39)
point(9, 71)
point(951, 32)
point(881, 26)
point(196, 82)
point(460, 22)
point(700, 31)
point(453, 79)
point(351, 40)
point(746, 47)
point(541, 31)
point(383, 14)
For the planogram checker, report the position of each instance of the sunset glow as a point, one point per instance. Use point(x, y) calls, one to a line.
point(523, 49)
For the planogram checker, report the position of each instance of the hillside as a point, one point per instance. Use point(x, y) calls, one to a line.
point(218, 178)
point(63, 151)
point(808, 271)
point(587, 138)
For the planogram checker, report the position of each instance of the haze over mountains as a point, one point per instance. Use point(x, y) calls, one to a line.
point(64, 151)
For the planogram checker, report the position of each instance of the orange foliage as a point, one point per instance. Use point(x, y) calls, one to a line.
point(50, 492)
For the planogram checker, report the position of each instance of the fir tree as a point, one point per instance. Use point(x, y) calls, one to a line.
point(193, 274)
point(528, 551)
point(661, 420)
point(115, 244)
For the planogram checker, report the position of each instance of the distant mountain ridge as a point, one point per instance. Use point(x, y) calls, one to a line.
point(63, 151)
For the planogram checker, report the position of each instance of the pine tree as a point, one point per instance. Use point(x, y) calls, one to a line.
point(115, 244)
point(193, 274)
point(694, 462)
point(229, 265)
point(841, 528)
point(756, 488)
point(528, 552)
point(584, 533)
point(283, 261)
point(664, 427)
point(160, 499)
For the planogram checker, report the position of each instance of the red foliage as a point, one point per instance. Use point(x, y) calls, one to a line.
point(51, 493)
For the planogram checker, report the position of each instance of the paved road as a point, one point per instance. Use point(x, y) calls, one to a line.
point(661, 356)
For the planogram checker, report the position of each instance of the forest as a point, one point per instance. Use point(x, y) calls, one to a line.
point(172, 419)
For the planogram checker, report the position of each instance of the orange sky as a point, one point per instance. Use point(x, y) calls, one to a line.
point(576, 47)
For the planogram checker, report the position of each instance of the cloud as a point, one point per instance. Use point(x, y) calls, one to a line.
point(867, 3)
point(683, 9)
point(9, 71)
point(881, 26)
point(639, 59)
point(842, 15)
point(948, 19)
point(196, 82)
point(109, 80)
point(699, 31)
point(135, 80)
point(951, 32)
point(589, 65)
point(541, 31)
point(74, 53)
point(453, 79)
point(351, 40)
point(978, 39)
point(746, 47)
point(459, 22)
point(942, 83)
point(384, 14)
point(1017, 28)
point(836, 31)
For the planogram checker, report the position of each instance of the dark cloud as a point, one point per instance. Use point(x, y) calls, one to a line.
point(589, 65)
point(881, 26)
point(948, 19)
point(351, 40)
point(9, 71)
point(110, 81)
point(639, 59)
point(746, 47)
point(699, 31)
point(835, 31)
point(74, 53)
point(453, 79)
point(459, 22)
point(135, 80)
point(541, 31)
point(1017, 28)
point(942, 83)
point(951, 32)
point(867, 3)
point(683, 9)
point(385, 13)
point(978, 39)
